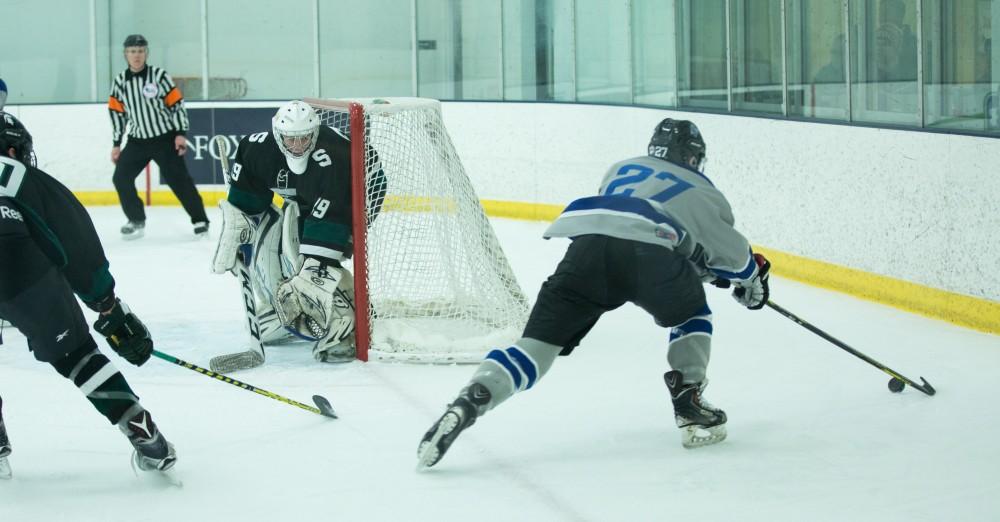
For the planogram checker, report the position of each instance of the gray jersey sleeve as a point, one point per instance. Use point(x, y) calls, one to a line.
point(654, 201)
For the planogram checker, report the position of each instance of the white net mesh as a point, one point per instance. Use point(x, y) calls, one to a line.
point(439, 286)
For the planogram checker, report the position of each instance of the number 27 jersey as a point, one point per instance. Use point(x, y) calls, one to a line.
point(655, 201)
point(323, 191)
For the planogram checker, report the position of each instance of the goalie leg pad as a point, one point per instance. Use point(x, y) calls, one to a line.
point(339, 344)
point(237, 229)
point(330, 351)
point(266, 273)
point(291, 259)
point(265, 264)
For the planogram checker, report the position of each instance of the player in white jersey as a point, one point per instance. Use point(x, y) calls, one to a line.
point(656, 231)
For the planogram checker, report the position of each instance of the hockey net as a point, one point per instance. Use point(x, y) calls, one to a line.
point(432, 283)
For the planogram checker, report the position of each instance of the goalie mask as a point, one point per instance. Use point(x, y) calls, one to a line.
point(296, 127)
point(678, 141)
point(13, 135)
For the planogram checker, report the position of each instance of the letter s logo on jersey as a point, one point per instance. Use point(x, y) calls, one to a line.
point(322, 158)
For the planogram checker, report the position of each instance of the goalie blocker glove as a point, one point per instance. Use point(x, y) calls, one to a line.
point(125, 333)
point(308, 302)
point(753, 293)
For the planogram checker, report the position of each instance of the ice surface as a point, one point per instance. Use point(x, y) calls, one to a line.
point(814, 434)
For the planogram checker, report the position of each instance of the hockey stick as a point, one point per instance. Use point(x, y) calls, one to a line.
point(253, 357)
point(898, 381)
point(322, 405)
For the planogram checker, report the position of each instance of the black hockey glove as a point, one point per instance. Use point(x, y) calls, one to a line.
point(720, 282)
point(103, 304)
point(714, 280)
point(753, 293)
point(125, 333)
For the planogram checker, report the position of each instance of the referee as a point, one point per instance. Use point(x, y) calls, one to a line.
point(147, 99)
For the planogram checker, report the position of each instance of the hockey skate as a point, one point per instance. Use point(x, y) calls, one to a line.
point(152, 451)
point(133, 230)
point(5, 472)
point(330, 351)
point(461, 414)
point(701, 423)
point(201, 229)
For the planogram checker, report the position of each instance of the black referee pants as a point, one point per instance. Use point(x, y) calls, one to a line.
point(136, 154)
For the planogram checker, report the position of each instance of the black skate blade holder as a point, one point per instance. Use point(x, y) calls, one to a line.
point(896, 384)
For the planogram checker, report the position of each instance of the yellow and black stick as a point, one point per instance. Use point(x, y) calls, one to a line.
point(322, 405)
point(898, 381)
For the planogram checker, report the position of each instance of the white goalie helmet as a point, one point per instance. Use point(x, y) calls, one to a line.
point(296, 127)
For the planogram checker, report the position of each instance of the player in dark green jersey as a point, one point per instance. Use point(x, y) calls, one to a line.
point(49, 255)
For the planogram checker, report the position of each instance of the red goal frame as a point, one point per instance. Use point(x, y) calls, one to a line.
point(359, 221)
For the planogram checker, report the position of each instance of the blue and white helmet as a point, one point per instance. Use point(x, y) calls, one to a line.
point(296, 127)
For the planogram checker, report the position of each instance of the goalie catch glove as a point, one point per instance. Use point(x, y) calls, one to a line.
point(236, 230)
point(753, 292)
point(125, 333)
point(314, 302)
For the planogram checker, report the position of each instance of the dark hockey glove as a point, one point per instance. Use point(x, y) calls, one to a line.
point(103, 304)
point(753, 293)
point(714, 280)
point(721, 282)
point(125, 333)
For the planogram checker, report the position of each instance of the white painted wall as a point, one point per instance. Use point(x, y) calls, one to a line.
point(72, 142)
point(916, 206)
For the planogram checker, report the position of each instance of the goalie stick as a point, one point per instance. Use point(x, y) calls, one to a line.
point(253, 357)
point(322, 405)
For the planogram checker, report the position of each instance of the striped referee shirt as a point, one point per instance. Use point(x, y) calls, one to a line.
point(149, 101)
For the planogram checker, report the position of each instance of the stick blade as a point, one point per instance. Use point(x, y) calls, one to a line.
point(324, 406)
point(926, 388)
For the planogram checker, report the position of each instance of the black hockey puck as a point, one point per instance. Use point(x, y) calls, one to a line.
point(896, 385)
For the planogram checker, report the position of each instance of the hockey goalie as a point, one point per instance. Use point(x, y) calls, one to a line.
point(290, 260)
